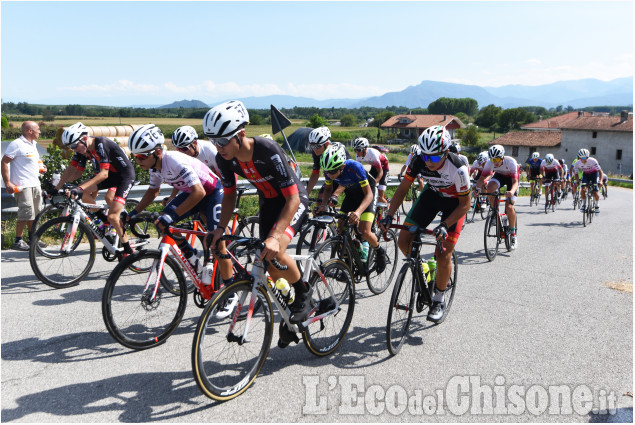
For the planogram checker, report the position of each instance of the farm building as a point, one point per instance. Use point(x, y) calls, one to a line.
point(409, 127)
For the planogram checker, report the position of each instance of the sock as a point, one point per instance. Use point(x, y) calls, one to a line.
point(227, 282)
point(438, 295)
point(18, 239)
point(126, 248)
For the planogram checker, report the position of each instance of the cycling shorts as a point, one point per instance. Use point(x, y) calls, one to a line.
point(381, 184)
point(354, 198)
point(591, 179)
point(209, 207)
point(270, 210)
point(426, 208)
point(551, 175)
point(120, 183)
point(533, 174)
point(503, 181)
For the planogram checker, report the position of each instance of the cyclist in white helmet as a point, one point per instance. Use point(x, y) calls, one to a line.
point(378, 163)
point(551, 170)
point(591, 175)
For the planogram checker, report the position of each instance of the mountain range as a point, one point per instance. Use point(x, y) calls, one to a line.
point(575, 93)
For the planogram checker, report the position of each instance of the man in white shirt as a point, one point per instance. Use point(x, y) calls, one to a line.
point(22, 180)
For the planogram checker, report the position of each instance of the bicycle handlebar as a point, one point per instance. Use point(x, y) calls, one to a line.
point(419, 231)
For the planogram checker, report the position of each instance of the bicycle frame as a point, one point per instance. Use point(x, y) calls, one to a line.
point(81, 212)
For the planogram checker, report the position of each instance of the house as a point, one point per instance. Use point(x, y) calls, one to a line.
point(411, 126)
point(554, 123)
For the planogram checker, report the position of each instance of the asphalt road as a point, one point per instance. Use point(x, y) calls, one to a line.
point(540, 334)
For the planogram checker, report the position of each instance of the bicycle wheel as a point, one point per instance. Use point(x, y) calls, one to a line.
point(508, 243)
point(472, 212)
point(323, 336)
point(451, 288)
point(249, 227)
point(333, 248)
point(483, 208)
point(50, 264)
point(48, 213)
point(547, 201)
point(591, 208)
point(379, 282)
point(135, 317)
point(307, 244)
point(228, 353)
point(400, 309)
point(492, 238)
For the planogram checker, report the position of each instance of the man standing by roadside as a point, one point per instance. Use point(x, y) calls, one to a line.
point(24, 158)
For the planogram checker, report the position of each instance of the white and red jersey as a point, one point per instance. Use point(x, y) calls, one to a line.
point(375, 158)
point(507, 168)
point(450, 181)
point(591, 166)
point(182, 172)
point(477, 166)
point(550, 168)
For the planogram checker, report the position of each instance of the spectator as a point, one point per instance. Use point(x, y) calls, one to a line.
point(26, 166)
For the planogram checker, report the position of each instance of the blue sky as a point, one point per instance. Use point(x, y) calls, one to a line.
point(133, 53)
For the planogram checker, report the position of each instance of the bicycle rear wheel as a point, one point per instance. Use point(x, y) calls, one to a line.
point(50, 264)
point(135, 317)
point(379, 282)
point(228, 353)
point(451, 288)
point(491, 238)
point(249, 227)
point(323, 336)
point(547, 201)
point(400, 309)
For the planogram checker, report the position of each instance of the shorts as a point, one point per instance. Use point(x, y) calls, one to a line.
point(551, 175)
point(426, 208)
point(29, 203)
point(591, 179)
point(270, 210)
point(533, 175)
point(381, 184)
point(354, 198)
point(120, 184)
point(507, 182)
point(209, 207)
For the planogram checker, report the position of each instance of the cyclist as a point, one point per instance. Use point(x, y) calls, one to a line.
point(455, 148)
point(505, 173)
point(447, 191)
point(319, 141)
point(551, 170)
point(113, 171)
point(566, 177)
point(532, 166)
point(591, 174)
point(359, 200)
point(414, 152)
point(378, 163)
point(605, 183)
point(283, 199)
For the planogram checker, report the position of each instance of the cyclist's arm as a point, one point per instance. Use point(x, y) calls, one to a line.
point(5, 173)
point(147, 198)
point(198, 193)
point(227, 208)
point(514, 187)
point(97, 178)
point(328, 190)
point(312, 181)
point(71, 173)
point(338, 191)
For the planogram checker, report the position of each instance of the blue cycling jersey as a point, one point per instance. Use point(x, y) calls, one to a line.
point(535, 166)
point(353, 176)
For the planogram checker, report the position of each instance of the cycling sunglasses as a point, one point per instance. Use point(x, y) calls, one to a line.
point(359, 150)
point(143, 156)
point(185, 149)
point(221, 142)
point(333, 172)
point(432, 158)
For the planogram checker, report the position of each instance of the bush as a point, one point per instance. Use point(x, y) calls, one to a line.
point(5, 122)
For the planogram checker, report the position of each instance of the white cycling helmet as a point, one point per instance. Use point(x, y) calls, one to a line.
point(414, 150)
point(583, 153)
point(434, 140)
point(496, 151)
point(455, 148)
point(549, 158)
point(482, 157)
point(225, 119)
point(71, 136)
point(535, 155)
point(184, 136)
point(360, 143)
point(319, 136)
point(145, 139)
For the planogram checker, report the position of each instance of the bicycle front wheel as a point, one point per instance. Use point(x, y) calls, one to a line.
point(330, 321)
point(249, 227)
point(48, 213)
point(228, 353)
point(378, 282)
point(306, 242)
point(134, 315)
point(491, 238)
point(400, 309)
point(48, 257)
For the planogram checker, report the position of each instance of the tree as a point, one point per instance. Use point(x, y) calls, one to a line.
point(488, 116)
point(317, 121)
point(5, 121)
point(382, 117)
point(255, 119)
point(469, 136)
point(348, 120)
point(513, 118)
point(47, 114)
point(448, 105)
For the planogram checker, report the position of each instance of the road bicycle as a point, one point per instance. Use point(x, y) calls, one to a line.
point(589, 207)
point(604, 191)
point(229, 352)
point(534, 198)
point(141, 310)
point(496, 228)
point(567, 189)
point(313, 232)
point(479, 205)
point(550, 195)
point(410, 198)
point(577, 200)
point(347, 246)
point(62, 251)
point(414, 290)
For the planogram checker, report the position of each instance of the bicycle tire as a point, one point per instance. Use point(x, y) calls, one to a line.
point(146, 324)
point(249, 227)
point(483, 209)
point(217, 368)
point(450, 289)
point(305, 244)
point(59, 270)
point(591, 206)
point(547, 201)
point(400, 309)
point(472, 213)
point(324, 336)
point(491, 238)
point(48, 213)
point(379, 282)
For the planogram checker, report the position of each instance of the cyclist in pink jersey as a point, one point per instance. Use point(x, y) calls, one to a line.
point(550, 169)
point(591, 174)
point(378, 163)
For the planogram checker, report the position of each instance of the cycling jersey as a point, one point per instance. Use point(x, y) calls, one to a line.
point(550, 168)
point(182, 172)
point(534, 166)
point(465, 161)
point(508, 168)
point(590, 167)
point(375, 158)
point(316, 158)
point(106, 155)
point(451, 180)
point(354, 177)
point(605, 178)
point(426, 208)
point(477, 166)
point(207, 154)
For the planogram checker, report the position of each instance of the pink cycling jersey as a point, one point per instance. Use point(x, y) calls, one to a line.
point(507, 168)
point(591, 166)
point(550, 168)
point(375, 158)
point(182, 172)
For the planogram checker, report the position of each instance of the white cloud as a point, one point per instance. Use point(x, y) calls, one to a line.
point(533, 61)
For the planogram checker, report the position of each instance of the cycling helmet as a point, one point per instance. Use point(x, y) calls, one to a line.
point(333, 158)
point(496, 151)
point(319, 136)
point(583, 153)
point(482, 157)
point(549, 158)
point(434, 140)
point(360, 143)
point(535, 155)
point(455, 148)
point(184, 136)
point(71, 136)
point(562, 161)
point(414, 150)
point(145, 139)
point(225, 119)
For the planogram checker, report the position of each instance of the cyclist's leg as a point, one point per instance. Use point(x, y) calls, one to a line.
point(444, 259)
point(118, 188)
point(492, 186)
point(420, 215)
point(209, 208)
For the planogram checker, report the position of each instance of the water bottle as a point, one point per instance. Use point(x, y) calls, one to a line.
point(364, 251)
point(426, 270)
point(286, 290)
point(208, 270)
point(55, 178)
point(504, 220)
point(18, 189)
point(40, 166)
point(432, 265)
point(192, 256)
